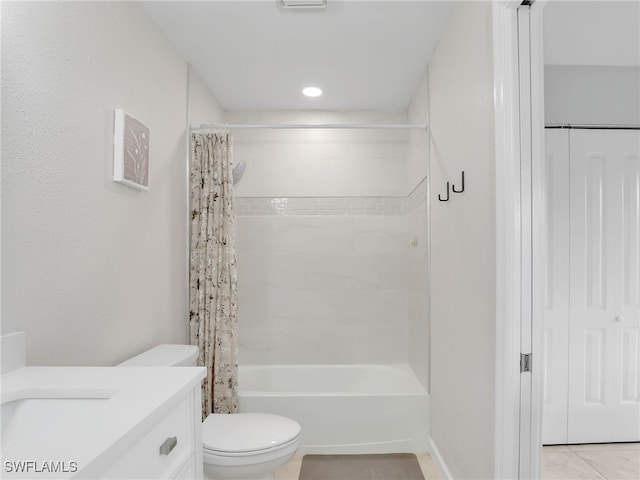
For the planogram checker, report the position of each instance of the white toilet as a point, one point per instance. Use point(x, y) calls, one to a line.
point(247, 446)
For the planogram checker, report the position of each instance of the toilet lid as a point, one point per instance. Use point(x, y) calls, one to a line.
point(247, 432)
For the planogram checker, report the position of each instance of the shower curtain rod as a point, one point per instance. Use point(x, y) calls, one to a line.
point(379, 126)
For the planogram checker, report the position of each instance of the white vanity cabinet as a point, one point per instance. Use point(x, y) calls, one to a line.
point(105, 422)
point(168, 444)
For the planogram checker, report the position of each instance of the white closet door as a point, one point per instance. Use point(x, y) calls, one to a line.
point(556, 292)
point(604, 379)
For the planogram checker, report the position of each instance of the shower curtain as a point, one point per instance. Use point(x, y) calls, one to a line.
point(213, 294)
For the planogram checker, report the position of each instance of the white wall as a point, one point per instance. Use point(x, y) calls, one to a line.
point(94, 272)
point(463, 243)
point(592, 95)
point(418, 230)
point(203, 105)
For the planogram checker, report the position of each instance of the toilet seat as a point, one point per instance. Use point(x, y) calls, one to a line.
point(244, 434)
point(222, 459)
point(285, 446)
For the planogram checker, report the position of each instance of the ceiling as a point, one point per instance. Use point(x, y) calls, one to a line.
point(364, 54)
point(254, 55)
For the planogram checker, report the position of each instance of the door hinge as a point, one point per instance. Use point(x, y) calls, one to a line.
point(525, 362)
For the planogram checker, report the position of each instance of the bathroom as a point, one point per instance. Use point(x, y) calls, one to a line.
point(96, 273)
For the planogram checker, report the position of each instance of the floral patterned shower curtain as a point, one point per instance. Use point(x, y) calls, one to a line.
point(213, 297)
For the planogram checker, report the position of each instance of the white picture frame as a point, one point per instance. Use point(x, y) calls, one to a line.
point(130, 151)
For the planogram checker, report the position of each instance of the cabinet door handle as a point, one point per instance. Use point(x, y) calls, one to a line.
point(168, 445)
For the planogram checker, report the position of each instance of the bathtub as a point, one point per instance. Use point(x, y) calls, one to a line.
point(342, 408)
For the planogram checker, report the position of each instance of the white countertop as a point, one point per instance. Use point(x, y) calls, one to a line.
point(130, 399)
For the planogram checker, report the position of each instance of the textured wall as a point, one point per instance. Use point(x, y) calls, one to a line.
point(93, 271)
point(463, 243)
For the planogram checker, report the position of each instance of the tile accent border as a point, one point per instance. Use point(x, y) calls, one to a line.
point(338, 206)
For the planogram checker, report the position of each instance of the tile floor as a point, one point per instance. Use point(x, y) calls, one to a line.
point(291, 470)
point(609, 461)
point(612, 461)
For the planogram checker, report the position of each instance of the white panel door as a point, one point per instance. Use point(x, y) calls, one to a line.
point(604, 319)
point(556, 291)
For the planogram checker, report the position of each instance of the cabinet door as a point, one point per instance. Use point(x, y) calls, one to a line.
point(604, 400)
point(556, 291)
point(146, 459)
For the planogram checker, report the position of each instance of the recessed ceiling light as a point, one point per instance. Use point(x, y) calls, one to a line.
point(312, 91)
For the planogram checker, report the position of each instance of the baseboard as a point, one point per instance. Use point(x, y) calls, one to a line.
point(439, 461)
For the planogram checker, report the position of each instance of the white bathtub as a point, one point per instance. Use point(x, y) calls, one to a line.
point(342, 408)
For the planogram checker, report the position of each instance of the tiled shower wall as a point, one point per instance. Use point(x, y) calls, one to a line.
point(322, 221)
point(322, 288)
point(321, 164)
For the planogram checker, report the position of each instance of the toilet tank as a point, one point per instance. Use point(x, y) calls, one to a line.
point(164, 356)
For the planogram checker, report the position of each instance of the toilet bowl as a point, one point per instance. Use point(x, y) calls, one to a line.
point(247, 446)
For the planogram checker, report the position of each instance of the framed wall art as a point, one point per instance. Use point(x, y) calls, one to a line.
point(130, 151)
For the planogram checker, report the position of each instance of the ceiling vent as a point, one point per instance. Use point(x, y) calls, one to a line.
point(303, 4)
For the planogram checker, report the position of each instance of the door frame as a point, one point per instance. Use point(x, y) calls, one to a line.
point(508, 251)
point(538, 229)
point(519, 238)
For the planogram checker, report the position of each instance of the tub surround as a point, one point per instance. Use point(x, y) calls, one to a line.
point(332, 239)
point(131, 407)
